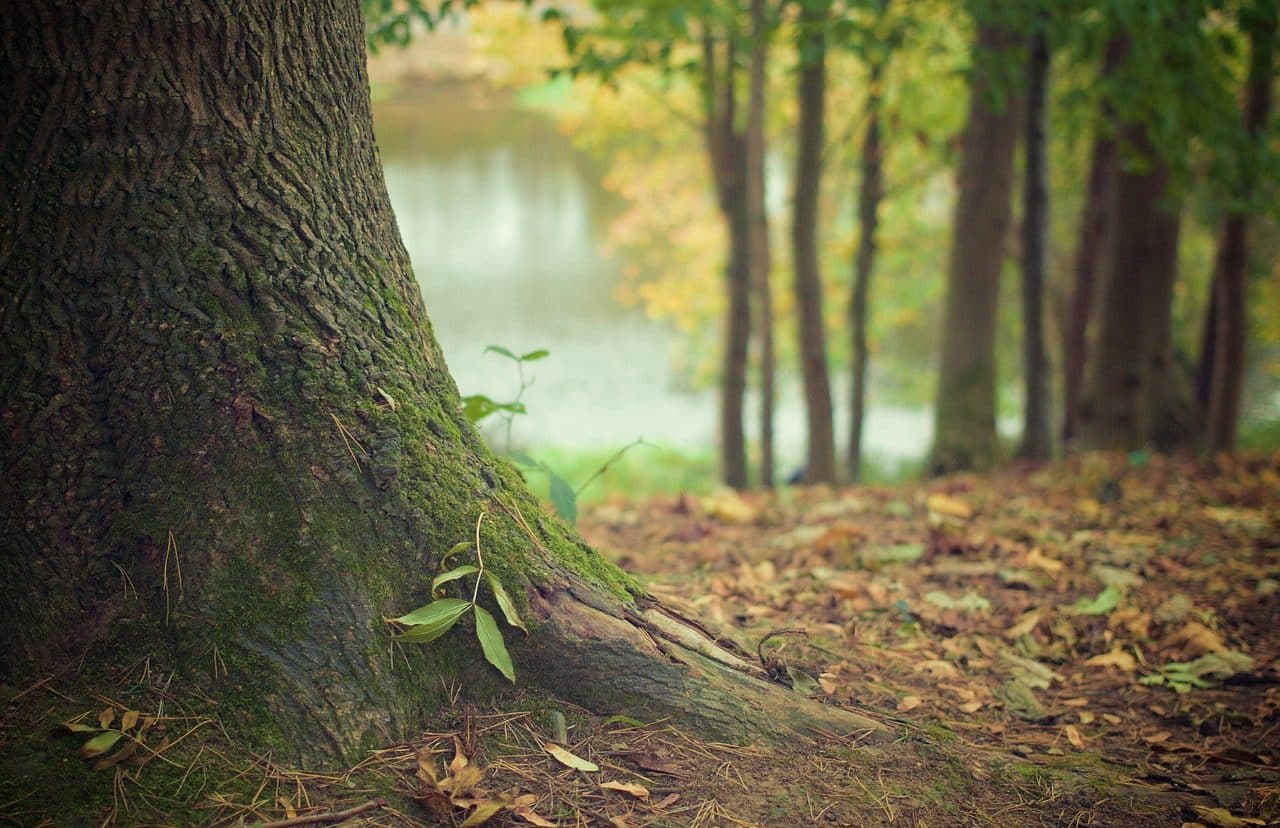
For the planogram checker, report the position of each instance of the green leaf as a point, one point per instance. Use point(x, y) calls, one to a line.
point(433, 620)
point(803, 683)
point(495, 650)
point(458, 548)
point(80, 727)
point(624, 721)
point(505, 603)
point(100, 744)
point(564, 499)
point(477, 406)
point(1101, 604)
point(453, 575)
point(532, 356)
point(498, 349)
point(523, 459)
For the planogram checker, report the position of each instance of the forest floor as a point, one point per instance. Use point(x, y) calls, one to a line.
point(1093, 643)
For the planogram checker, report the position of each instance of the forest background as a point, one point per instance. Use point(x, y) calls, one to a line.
point(584, 176)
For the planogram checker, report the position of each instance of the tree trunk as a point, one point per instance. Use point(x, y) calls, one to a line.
point(1229, 284)
point(1036, 437)
point(820, 459)
point(870, 193)
point(232, 439)
point(1128, 391)
point(966, 416)
point(726, 150)
point(759, 230)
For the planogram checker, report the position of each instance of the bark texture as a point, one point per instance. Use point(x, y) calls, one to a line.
point(966, 417)
point(1231, 322)
point(870, 194)
point(1036, 434)
point(820, 458)
point(230, 437)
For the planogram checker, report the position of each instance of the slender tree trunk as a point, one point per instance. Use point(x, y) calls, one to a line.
point(219, 387)
point(1230, 268)
point(1036, 437)
point(725, 147)
point(759, 230)
point(1128, 390)
point(966, 416)
point(820, 460)
point(1092, 245)
point(870, 193)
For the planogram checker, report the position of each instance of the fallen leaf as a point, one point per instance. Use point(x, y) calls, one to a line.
point(1039, 560)
point(950, 506)
point(1116, 658)
point(1222, 818)
point(484, 811)
point(568, 759)
point(527, 814)
point(909, 703)
point(638, 791)
point(1074, 736)
point(938, 668)
point(1026, 623)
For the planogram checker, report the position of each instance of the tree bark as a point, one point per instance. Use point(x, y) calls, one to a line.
point(726, 150)
point(231, 439)
point(870, 193)
point(1036, 436)
point(1230, 330)
point(1128, 391)
point(820, 459)
point(759, 230)
point(965, 412)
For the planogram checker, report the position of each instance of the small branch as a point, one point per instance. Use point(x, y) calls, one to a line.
point(330, 818)
point(479, 560)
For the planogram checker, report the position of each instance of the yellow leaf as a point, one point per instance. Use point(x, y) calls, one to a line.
point(568, 759)
point(1086, 717)
point(971, 707)
point(1115, 658)
point(484, 811)
point(1026, 623)
point(938, 668)
point(638, 791)
point(909, 703)
point(950, 506)
point(1222, 818)
point(1074, 736)
point(1199, 639)
point(1043, 562)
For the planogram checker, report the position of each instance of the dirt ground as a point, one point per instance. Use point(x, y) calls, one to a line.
point(1089, 644)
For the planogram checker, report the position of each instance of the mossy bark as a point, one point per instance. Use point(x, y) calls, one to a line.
point(232, 443)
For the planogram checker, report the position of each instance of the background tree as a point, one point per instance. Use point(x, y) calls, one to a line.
point(1230, 320)
point(1036, 435)
point(761, 260)
point(811, 94)
point(966, 418)
point(219, 382)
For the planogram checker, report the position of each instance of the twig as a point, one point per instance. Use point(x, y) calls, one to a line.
point(330, 818)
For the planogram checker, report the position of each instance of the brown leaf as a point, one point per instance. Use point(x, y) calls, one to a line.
point(106, 717)
point(638, 791)
point(1116, 658)
point(910, 703)
point(129, 719)
point(526, 813)
point(1074, 736)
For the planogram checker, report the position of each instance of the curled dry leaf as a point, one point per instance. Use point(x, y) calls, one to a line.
point(638, 791)
point(568, 759)
point(1115, 658)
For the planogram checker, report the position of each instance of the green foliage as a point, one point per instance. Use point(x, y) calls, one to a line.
point(431, 621)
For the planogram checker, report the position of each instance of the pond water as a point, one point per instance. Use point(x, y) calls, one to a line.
point(505, 223)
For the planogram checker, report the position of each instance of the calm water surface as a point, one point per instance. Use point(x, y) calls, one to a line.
point(505, 223)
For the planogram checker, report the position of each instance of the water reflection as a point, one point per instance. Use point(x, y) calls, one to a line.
point(504, 222)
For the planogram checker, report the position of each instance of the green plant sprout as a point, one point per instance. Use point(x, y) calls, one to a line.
point(429, 622)
point(478, 406)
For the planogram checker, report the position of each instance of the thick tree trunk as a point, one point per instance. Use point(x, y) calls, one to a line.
point(1231, 322)
point(232, 444)
point(966, 415)
point(870, 193)
point(1036, 436)
point(759, 230)
point(820, 459)
point(1128, 397)
point(726, 150)
point(1091, 245)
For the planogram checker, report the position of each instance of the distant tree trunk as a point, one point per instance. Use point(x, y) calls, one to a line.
point(966, 415)
point(1091, 246)
point(219, 387)
point(870, 193)
point(759, 230)
point(820, 461)
point(1036, 437)
point(726, 149)
point(1231, 322)
point(1128, 396)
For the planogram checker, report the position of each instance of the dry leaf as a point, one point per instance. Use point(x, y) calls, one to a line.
point(638, 791)
point(1115, 658)
point(484, 811)
point(525, 813)
point(1222, 818)
point(971, 707)
point(667, 801)
point(909, 703)
point(938, 668)
point(106, 717)
point(1043, 562)
point(1198, 639)
point(568, 759)
point(1026, 623)
point(1074, 736)
point(129, 719)
point(1086, 717)
point(949, 506)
